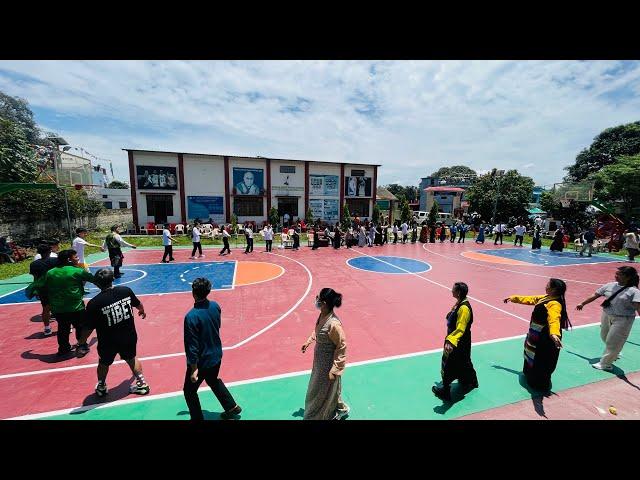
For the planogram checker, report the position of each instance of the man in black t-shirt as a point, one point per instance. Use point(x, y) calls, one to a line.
point(111, 314)
point(39, 268)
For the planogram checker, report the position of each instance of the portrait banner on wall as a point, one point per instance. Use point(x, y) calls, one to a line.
point(248, 181)
point(156, 178)
point(317, 208)
point(357, 187)
point(331, 212)
point(324, 185)
point(204, 207)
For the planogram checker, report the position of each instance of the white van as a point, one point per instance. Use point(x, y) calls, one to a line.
point(423, 217)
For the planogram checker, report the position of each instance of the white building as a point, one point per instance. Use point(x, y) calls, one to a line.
point(173, 187)
point(113, 198)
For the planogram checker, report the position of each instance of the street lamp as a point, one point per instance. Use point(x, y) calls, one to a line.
point(496, 174)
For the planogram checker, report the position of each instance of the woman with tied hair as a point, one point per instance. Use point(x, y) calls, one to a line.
point(544, 340)
point(324, 393)
point(618, 313)
point(456, 357)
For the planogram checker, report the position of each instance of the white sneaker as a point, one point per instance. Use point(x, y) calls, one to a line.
point(47, 331)
point(200, 256)
point(192, 258)
point(599, 366)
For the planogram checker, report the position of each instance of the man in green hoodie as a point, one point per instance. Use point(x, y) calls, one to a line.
point(63, 285)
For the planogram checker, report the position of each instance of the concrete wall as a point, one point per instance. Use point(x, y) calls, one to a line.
point(248, 163)
point(295, 183)
point(204, 177)
point(159, 160)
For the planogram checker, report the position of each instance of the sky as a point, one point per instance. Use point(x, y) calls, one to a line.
point(412, 117)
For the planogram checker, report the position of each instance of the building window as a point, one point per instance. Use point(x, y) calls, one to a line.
point(357, 173)
point(287, 169)
point(248, 207)
point(108, 205)
point(160, 207)
point(105, 196)
point(288, 205)
point(123, 204)
point(358, 206)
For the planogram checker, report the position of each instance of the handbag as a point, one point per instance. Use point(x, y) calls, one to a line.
point(607, 302)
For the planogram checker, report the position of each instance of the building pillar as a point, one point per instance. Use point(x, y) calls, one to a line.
point(268, 187)
point(227, 193)
point(183, 190)
point(340, 215)
point(306, 190)
point(374, 190)
point(134, 199)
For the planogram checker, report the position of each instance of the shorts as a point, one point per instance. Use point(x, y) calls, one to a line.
point(125, 347)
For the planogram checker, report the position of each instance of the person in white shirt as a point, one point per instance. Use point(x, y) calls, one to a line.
point(54, 243)
point(519, 229)
point(78, 245)
point(167, 241)
point(405, 228)
point(225, 240)
point(268, 235)
point(395, 233)
point(498, 230)
point(195, 238)
point(631, 244)
point(286, 219)
point(248, 233)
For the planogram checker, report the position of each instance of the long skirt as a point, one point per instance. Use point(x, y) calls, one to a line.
point(324, 396)
point(362, 240)
point(557, 245)
point(540, 359)
point(457, 366)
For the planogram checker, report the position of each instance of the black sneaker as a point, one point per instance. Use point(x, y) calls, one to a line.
point(234, 412)
point(64, 351)
point(101, 389)
point(82, 350)
point(442, 393)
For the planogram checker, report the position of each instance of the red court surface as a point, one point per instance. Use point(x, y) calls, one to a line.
point(264, 324)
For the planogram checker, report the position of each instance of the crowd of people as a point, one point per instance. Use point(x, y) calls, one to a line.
point(59, 284)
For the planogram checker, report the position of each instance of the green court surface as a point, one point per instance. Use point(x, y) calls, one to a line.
point(392, 389)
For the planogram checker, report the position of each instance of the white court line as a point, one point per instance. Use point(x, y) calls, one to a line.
point(118, 403)
point(235, 271)
point(424, 245)
point(179, 354)
point(448, 288)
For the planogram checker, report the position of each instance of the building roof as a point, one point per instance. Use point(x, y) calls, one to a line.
point(444, 189)
point(535, 210)
point(384, 194)
point(255, 158)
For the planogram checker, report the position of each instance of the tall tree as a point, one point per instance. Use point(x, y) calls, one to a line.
point(607, 147)
point(118, 184)
point(17, 110)
point(376, 214)
point(512, 191)
point(405, 211)
point(620, 181)
point(17, 159)
point(397, 190)
point(346, 217)
point(455, 171)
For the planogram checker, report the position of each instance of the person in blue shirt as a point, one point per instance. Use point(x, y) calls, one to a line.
point(203, 349)
point(462, 230)
point(453, 231)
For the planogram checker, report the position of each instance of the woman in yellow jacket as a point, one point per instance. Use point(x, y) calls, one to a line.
point(456, 357)
point(544, 340)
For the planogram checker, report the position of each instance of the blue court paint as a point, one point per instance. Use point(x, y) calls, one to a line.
point(386, 264)
point(547, 258)
point(158, 278)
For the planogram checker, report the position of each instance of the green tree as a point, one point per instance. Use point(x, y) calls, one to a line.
point(118, 184)
point(17, 159)
point(433, 213)
point(274, 217)
point(512, 190)
point(17, 111)
point(346, 217)
point(405, 212)
point(234, 223)
point(397, 190)
point(308, 218)
point(620, 181)
point(376, 214)
point(460, 171)
point(607, 147)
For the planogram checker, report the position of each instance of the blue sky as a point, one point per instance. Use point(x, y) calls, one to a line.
point(412, 117)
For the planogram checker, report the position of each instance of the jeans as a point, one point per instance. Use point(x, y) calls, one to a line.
point(249, 245)
point(196, 246)
point(269, 244)
point(614, 331)
point(585, 246)
point(498, 237)
point(225, 241)
point(518, 237)
point(210, 375)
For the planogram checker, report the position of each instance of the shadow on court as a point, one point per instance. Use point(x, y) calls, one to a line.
point(458, 393)
point(207, 414)
point(617, 371)
point(116, 393)
point(52, 357)
point(298, 413)
point(537, 396)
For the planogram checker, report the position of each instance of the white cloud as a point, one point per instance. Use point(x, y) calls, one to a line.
point(412, 117)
